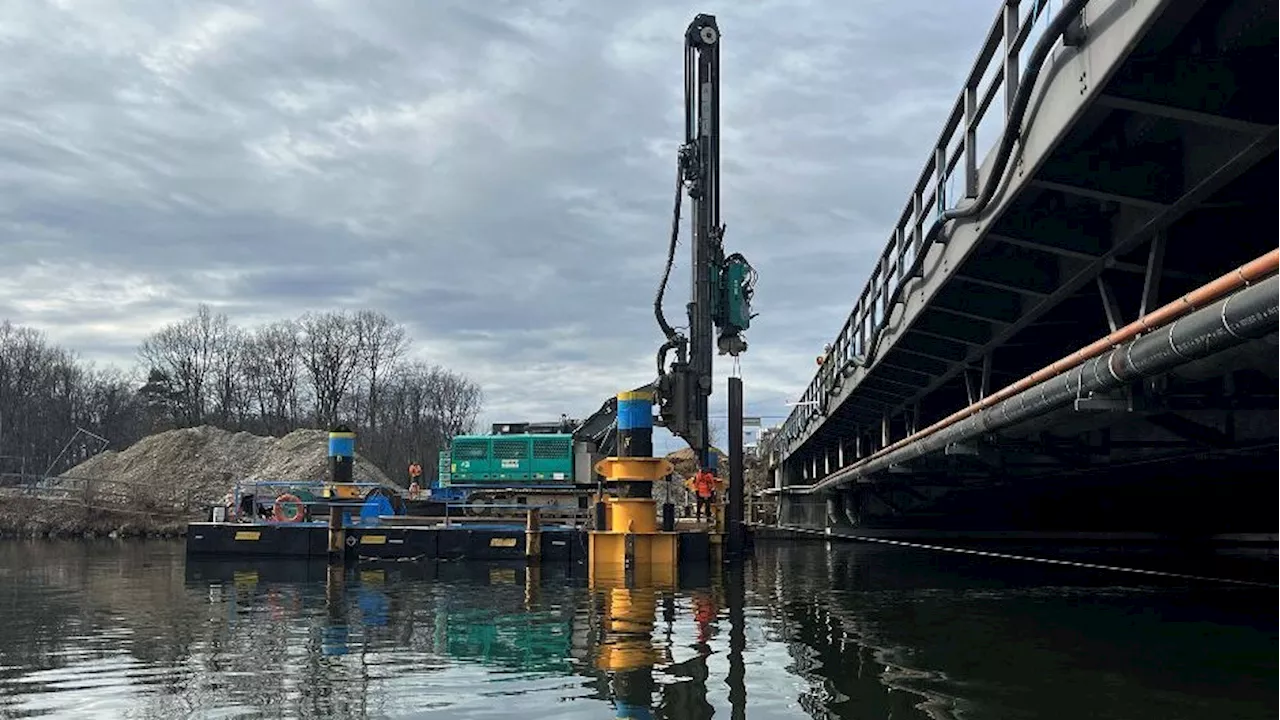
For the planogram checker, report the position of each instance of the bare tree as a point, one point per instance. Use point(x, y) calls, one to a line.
point(46, 394)
point(455, 402)
point(173, 377)
point(204, 369)
point(424, 407)
point(227, 365)
point(184, 352)
point(331, 354)
point(274, 371)
point(383, 343)
point(112, 406)
point(715, 432)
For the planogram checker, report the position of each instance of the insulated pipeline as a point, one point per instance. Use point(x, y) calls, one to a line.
point(1247, 314)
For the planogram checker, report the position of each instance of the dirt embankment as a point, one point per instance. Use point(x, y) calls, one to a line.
point(163, 481)
point(756, 475)
point(685, 465)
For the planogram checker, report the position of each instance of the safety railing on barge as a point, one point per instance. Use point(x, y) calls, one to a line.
point(292, 502)
point(458, 513)
point(954, 160)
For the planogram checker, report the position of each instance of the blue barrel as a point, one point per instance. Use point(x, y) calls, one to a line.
point(635, 424)
point(342, 445)
point(342, 454)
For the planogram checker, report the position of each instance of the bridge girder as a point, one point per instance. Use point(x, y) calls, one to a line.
point(1155, 161)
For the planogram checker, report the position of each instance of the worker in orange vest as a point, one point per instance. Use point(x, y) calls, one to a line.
point(704, 491)
point(826, 353)
point(415, 472)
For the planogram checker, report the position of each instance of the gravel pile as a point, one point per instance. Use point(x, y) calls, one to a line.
point(203, 463)
point(162, 481)
point(685, 466)
point(682, 461)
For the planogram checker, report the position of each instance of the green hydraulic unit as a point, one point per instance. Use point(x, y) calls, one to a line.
point(479, 459)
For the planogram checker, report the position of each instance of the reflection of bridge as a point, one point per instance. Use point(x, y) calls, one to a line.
point(1071, 302)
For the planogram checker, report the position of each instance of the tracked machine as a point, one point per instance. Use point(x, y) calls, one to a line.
point(528, 463)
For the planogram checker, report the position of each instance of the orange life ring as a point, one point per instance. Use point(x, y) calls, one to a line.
point(278, 508)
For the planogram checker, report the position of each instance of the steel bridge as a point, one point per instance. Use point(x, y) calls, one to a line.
point(1073, 326)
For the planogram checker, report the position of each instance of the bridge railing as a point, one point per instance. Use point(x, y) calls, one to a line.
point(953, 161)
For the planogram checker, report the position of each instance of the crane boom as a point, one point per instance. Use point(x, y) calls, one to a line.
point(722, 287)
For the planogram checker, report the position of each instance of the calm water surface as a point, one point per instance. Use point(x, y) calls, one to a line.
point(133, 630)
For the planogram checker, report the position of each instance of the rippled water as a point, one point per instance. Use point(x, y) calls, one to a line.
point(133, 630)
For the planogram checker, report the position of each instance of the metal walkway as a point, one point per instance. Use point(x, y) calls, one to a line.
point(1133, 163)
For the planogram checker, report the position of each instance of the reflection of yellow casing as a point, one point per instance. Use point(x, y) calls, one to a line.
point(627, 655)
point(653, 557)
point(629, 617)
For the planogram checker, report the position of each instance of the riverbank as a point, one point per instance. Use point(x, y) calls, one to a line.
point(164, 481)
point(34, 517)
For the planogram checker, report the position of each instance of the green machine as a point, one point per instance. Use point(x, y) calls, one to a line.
point(551, 464)
point(486, 459)
point(733, 281)
point(546, 469)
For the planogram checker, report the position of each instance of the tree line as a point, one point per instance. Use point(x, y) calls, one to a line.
point(318, 370)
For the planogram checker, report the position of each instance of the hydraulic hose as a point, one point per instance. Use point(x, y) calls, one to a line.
point(673, 337)
point(1012, 128)
point(671, 259)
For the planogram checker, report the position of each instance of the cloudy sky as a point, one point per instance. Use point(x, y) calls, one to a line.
point(495, 174)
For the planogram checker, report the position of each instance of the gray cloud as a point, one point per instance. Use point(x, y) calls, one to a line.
point(497, 175)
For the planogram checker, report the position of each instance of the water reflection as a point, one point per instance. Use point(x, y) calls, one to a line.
point(514, 624)
point(638, 649)
point(98, 630)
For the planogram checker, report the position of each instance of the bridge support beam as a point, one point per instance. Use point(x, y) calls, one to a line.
point(1151, 280)
point(1110, 307)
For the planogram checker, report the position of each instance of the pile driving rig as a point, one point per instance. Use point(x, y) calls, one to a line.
point(627, 544)
point(557, 461)
point(720, 305)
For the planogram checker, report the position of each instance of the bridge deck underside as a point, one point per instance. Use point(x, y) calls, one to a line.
point(1167, 181)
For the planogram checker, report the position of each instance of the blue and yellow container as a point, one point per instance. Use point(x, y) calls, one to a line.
point(635, 424)
point(342, 454)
